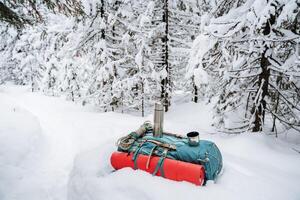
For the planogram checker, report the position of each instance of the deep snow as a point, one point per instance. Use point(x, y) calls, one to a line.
point(54, 149)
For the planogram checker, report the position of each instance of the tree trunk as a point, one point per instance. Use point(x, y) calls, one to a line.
point(165, 83)
point(195, 99)
point(263, 82)
point(102, 17)
point(143, 103)
point(274, 117)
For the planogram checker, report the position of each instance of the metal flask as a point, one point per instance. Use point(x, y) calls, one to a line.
point(158, 120)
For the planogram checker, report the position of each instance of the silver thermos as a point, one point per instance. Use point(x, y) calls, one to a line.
point(158, 120)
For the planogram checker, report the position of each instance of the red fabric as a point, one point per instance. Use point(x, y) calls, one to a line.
point(173, 169)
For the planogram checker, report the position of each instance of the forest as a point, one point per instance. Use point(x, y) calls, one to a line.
point(120, 55)
point(158, 99)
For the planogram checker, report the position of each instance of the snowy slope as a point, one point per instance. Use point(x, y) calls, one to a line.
point(54, 149)
point(21, 146)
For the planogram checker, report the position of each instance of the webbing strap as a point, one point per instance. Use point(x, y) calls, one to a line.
point(162, 171)
point(135, 155)
point(149, 157)
point(160, 163)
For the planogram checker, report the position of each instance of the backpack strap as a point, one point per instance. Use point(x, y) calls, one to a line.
point(160, 163)
point(161, 144)
point(136, 154)
point(149, 157)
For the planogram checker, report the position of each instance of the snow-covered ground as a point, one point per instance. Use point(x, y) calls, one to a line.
point(57, 150)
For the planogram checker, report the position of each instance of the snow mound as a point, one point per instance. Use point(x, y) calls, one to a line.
point(20, 147)
point(88, 168)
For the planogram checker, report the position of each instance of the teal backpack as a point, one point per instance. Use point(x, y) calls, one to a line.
point(174, 147)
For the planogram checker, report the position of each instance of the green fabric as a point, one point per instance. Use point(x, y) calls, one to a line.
point(206, 153)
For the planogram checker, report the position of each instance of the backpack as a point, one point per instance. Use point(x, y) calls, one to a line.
point(173, 147)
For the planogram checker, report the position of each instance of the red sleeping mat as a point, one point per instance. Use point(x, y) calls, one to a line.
point(173, 169)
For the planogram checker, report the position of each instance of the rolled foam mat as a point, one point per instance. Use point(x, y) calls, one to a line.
point(173, 169)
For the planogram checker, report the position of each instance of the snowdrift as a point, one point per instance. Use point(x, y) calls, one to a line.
point(21, 145)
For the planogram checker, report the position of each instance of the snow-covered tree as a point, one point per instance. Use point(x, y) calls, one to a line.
point(9, 37)
point(250, 60)
point(29, 12)
point(122, 55)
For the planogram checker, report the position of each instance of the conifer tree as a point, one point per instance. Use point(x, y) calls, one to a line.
point(252, 59)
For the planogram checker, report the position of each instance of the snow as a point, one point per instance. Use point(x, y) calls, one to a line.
point(139, 58)
point(286, 12)
point(21, 145)
point(201, 45)
point(54, 149)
